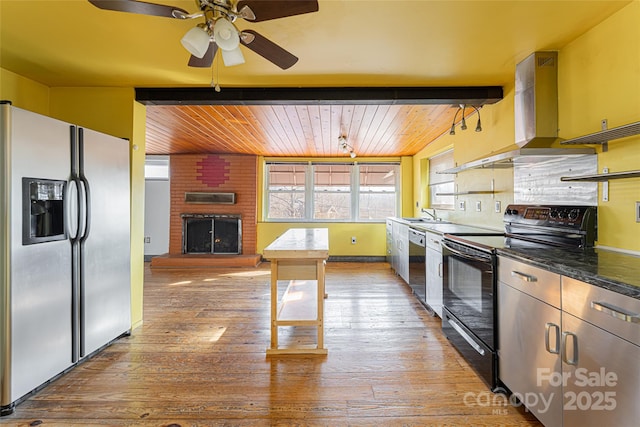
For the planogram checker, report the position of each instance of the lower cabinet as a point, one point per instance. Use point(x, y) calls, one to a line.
point(601, 356)
point(400, 234)
point(434, 272)
point(574, 363)
point(529, 337)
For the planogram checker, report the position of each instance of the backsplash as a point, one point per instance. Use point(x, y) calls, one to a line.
point(540, 182)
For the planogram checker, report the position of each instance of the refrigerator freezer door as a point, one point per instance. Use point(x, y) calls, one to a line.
point(105, 290)
point(40, 284)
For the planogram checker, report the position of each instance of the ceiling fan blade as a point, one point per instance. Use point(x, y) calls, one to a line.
point(143, 8)
point(206, 60)
point(265, 10)
point(268, 50)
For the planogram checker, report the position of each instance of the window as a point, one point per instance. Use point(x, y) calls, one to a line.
point(156, 167)
point(332, 192)
point(343, 192)
point(377, 191)
point(441, 183)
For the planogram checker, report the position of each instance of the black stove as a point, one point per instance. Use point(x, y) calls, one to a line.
point(469, 273)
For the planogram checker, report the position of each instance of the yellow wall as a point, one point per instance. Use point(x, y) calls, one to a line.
point(370, 238)
point(109, 110)
point(24, 93)
point(598, 77)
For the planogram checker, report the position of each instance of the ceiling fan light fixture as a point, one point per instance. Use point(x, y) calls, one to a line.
point(226, 35)
point(196, 41)
point(232, 57)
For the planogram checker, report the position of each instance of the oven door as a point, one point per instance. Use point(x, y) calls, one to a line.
point(469, 289)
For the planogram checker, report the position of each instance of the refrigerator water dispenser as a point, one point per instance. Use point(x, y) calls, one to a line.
point(42, 210)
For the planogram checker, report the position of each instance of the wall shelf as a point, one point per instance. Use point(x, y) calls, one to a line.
point(463, 193)
point(606, 135)
point(471, 192)
point(601, 177)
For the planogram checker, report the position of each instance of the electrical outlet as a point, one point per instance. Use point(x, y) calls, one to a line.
point(498, 207)
point(478, 206)
point(637, 211)
point(461, 205)
point(353, 240)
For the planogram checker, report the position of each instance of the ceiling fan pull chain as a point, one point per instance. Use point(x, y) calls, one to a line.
point(215, 74)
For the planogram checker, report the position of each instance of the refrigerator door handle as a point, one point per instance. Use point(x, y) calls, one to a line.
point(85, 188)
point(82, 209)
point(72, 210)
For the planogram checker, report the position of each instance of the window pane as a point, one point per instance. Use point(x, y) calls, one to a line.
point(332, 192)
point(377, 192)
point(441, 183)
point(285, 205)
point(285, 198)
point(442, 202)
point(156, 167)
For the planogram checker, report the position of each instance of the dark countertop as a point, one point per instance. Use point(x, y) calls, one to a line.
point(616, 271)
point(607, 269)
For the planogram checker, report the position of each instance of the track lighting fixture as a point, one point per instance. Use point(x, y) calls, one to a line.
point(463, 121)
point(346, 148)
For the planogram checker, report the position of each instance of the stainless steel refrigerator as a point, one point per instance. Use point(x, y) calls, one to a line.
point(64, 248)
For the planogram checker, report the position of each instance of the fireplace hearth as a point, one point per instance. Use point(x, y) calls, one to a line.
point(211, 234)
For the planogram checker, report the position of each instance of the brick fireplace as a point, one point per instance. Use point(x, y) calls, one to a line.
point(212, 173)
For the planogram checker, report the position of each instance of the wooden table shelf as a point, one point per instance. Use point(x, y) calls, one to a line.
point(299, 256)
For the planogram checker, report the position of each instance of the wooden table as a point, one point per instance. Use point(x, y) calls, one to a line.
point(298, 256)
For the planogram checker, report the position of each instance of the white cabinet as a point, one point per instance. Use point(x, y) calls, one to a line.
point(529, 319)
point(434, 272)
point(390, 244)
point(401, 240)
point(601, 356)
point(398, 248)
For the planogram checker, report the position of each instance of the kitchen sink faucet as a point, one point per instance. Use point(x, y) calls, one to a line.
point(432, 215)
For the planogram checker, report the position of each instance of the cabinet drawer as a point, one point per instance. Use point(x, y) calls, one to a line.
point(613, 312)
point(433, 241)
point(538, 283)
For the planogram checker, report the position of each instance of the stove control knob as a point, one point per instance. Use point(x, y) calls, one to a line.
point(574, 213)
point(554, 213)
point(564, 213)
point(512, 212)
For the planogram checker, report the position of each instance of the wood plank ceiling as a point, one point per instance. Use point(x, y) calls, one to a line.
point(296, 130)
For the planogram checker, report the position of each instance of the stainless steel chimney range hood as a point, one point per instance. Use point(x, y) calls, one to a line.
point(536, 117)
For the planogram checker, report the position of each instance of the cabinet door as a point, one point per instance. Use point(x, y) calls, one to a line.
point(434, 280)
point(529, 344)
point(403, 252)
point(602, 376)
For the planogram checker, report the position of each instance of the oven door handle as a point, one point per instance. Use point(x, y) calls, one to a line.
point(466, 336)
point(463, 255)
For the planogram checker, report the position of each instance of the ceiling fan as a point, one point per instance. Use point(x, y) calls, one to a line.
point(218, 30)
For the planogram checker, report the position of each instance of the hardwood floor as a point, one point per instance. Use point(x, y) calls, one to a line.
point(199, 359)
